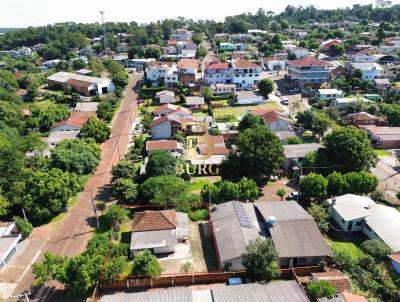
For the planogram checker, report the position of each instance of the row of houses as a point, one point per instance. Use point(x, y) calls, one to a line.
point(243, 74)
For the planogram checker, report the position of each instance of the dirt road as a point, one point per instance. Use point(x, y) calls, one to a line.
point(69, 236)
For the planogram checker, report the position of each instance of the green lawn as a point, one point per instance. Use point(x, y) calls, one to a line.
point(353, 248)
point(148, 105)
point(200, 114)
point(380, 152)
point(221, 102)
point(241, 110)
point(198, 183)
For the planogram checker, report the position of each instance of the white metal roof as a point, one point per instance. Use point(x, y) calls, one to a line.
point(352, 206)
point(63, 77)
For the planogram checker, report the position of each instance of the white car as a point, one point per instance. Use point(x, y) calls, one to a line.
point(294, 89)
point(278, 93)
point(294, 195)
point(285, 102)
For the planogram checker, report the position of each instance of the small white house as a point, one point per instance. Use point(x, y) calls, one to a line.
point(159, 231)
point(360, 213)
point(369, 71)
point(342, 103)
point(329, 94)
point(299, 52)
point(248, 98)
point(166, 97)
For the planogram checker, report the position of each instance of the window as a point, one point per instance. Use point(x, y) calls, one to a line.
point(358, 223)
point(343, 221)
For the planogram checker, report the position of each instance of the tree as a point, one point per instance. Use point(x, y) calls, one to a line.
point(124, 169)
point(316, 122)
point(293, 140)
point(336, 50)
point(261, 260)
point(281, 193)
point(125, 190)
point(145, 263)
point(164, 189)
point(121, 79)
point(260, 152)
point(161, 163)
point(74, 155)
point(152, 52)
point(78, 64)
point(266, 87)
point(4, 206)
point(347, 148)
point(377, 249)
point(320, 215)
point(250, 121)
point(248, 189)
point(321, 289)
point(105, 110)
point(96, 129)
point(361, 182)
point(337, 184)
point(23, 226)
point(46, 192)
point(313, 186)
point(201, 52)
point(227, 191)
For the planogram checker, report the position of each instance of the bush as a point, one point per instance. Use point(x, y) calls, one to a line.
point(23, 226)
point(225, 118)
point(321, 289)
point(200, 214)
point(376, 248)
point(377, 196)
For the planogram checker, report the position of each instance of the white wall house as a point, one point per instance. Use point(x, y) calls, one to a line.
point(369, 71)
point(162, 71)
point(329, 94)
point(360, 213)
point(246, 74)
point(299, 52)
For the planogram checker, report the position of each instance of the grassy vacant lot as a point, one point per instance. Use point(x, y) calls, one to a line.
point(241, 110)
point(381, 152)
point(197, 183)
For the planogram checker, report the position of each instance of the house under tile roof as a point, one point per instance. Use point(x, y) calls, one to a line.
point(308, 62)
point(154, 221)
point(77, 119)
point(336, 278)
point(161, 145)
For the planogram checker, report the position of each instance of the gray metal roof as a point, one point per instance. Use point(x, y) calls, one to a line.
point(58, 136)
point(277, 291)
point(295, 233)
point(153, 239)
point(231, 237)
point(300, 150)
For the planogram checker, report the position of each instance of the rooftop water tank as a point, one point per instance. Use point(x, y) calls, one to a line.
point(271, 220)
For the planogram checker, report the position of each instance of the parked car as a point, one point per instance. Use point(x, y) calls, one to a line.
point(294, 89)
point(278, 93)
point(285, 102)
point(294, 195)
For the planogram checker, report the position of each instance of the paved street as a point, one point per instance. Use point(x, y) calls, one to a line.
point(388, 172)
point(69, 236)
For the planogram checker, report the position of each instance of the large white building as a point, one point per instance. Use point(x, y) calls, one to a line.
point(246, 74)
point(85, 85)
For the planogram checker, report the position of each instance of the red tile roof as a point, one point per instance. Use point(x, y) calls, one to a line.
point(245, 64)
point(218, 145)
point(349, 297)
point(170, 117)
point(172, 107)
point(338, 280)
point(269, 116)
point(159, 63)
point(161, 145)
point(154, 221)
point(77, 119)
point(187, 64)
point(395, 257)
point(308, 62)
point(216, 65)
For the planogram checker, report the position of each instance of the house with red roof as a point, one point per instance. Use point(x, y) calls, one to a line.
point(158, 231)
point(212, 145)
point(217, 72)
point(326, 45)
point(308, 71)
point(164, 145)
point(187, 69)
point(275, 120)
point(172, 109)
point(246, 74)
point(74, 123)
point(166, 126)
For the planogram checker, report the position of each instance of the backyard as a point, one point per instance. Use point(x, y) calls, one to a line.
point(238, 111)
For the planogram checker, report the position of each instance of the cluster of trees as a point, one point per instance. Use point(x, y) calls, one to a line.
point(245, 190)
point(316, 186)
point(315, 121)
point(260, 152)
point(346, 149)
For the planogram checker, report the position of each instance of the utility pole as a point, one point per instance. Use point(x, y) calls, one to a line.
point(102, 13)
point(94, 209)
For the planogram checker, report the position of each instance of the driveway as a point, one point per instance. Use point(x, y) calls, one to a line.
point(387, 171)
point(69, 236)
